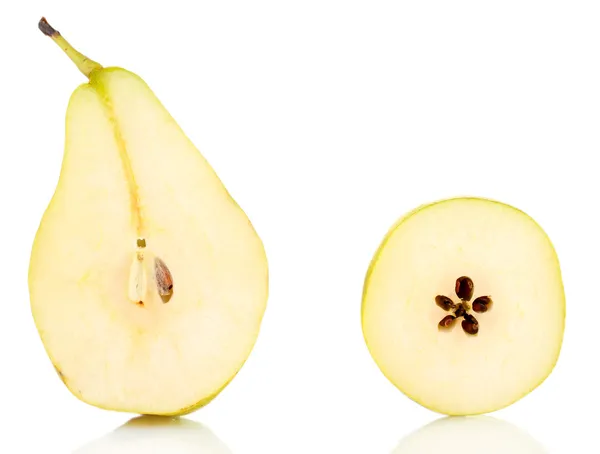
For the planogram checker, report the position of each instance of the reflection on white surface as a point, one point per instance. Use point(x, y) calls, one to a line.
point(477, 434)
point(157, 435)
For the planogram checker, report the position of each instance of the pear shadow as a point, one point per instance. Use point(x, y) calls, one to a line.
point(475, 434)
point(157, 435)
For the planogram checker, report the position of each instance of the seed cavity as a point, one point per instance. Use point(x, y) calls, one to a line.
point(464, 289)
point(164, 279)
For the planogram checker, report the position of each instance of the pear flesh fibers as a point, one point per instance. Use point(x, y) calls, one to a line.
point(147, 281)
point(463, 306)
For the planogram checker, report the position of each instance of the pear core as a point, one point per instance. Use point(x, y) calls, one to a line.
point(517, 296)
point(139, 217)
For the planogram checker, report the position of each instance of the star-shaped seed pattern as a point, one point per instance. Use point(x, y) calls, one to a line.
point(464, 289)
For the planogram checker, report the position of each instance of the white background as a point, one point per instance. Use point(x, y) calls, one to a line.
point(326, 120)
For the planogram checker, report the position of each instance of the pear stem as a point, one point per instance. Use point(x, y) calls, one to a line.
point(85, 65)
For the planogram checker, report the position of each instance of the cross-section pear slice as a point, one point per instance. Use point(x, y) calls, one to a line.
point(463, 306)
point(147, 281)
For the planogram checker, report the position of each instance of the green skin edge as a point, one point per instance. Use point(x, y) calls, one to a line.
point(206, 400)
point(374, 262)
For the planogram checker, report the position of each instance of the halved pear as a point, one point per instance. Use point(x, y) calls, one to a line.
point(463, 306)
point(148, 283)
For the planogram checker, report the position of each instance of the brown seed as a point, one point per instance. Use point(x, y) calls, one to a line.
point(447, 321)
point(470, 318)
point(164, 279)
point(470, 324)
point(464, 288)
point(485, 300)
point(460, 311)
point(444, 302)
point(479, 307)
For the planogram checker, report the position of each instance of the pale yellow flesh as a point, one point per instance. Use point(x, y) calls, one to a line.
point(510, 258)
point(128, 172)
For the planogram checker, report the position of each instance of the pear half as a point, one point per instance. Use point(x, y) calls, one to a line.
point(463, 306)
point(148, 283)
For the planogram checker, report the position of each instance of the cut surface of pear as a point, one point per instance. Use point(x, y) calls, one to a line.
point(147, 281)
point(460, 256)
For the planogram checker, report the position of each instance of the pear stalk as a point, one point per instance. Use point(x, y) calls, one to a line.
point(85, 65)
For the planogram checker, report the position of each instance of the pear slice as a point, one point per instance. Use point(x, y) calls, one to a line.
point(148, 283)
point(463, 306)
